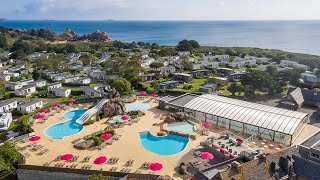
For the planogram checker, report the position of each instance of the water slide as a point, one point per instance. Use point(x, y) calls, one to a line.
point(89, 113)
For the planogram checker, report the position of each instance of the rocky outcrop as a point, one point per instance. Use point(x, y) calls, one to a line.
point(129, 99)
point(85, 145)
point(114, 107)
point(69, 34)
point(97, 36)
point(176, 117)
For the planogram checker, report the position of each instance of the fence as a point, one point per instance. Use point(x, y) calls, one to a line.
point(88, 172)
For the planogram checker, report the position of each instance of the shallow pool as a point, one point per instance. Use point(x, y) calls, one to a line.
point(164, 146)
point(68, 128)
point(184, 128)
point(137, 106)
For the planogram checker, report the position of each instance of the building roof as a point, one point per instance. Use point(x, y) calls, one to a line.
point(209, 85)
point(182, 100)
point(6, 102)
point(55, 83)
point(29, 103)
point(267, 117)
point(312, 142)
point(309, 95)
point(297, 96)
point(168, 82)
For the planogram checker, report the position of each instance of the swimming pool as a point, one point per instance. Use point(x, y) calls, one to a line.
point(137, 106)
point(183, 128)
point(68, 128)
point(164, 146)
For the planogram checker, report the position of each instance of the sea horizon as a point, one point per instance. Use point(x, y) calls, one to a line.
point(299, 36)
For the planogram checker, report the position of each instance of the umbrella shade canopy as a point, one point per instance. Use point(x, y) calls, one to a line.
point(44, 111)
point(100, 160)
point(224, 151)
point(106, 136)
point(34, 138)
point(142, 93)
point(206, 155)
point(41, 117)
point(215, 146)
point(206, 124)
point(66, 157)
point(155, 166)
point(154, 95)
point(71, 101)
point(55, 105)
point(125, 118)
point(232, 156)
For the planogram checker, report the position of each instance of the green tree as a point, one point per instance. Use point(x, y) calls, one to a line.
point(88, 59)
point(233, 88)
point(4, 41)
point(186, 45)
point(8, 158)
point(291, 75)
point(272, 70)
point(185, 63)
point(156, 65)
point(121, 85)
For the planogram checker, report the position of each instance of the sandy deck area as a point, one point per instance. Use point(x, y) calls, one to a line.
point(126, 148)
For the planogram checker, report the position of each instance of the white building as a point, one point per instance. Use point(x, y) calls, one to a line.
point(292, 64)
point(146, 62)
point(25, 82)
point(54, 85)
point(59, 92)
point(7, 105)
point(12, 86)
point(40, 83)
point(262, 67)
point(13, 74)
point(262, 60)
point(209, 58)
point(184, 53)
point(223, 57)
point(5, 121)
point(30, 106)
point(196, 66)
point(4, 77)
point(70, 79)
point(167, 70)
point(309, 77)
point(237, 62)
point(84, 80)
point(251, 62)
point(213, 65)
point(25, 91)
point(97, 91)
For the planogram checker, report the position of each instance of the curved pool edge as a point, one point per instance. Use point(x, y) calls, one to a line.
point(44, 131)
point(184, 149)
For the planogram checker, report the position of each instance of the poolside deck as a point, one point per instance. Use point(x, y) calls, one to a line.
point(128, 147)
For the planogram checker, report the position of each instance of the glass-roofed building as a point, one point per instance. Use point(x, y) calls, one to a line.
point(276, 124)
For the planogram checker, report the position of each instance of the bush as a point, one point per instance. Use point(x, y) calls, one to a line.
point(187, 87)
point(8, 95)
point(17, 113)
point(76, 92)
point(90, 121)
point(97, 140)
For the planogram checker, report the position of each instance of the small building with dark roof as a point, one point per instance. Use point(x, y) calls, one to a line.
point(208, 88)
point(236, 76)
point(169, 85)
point(182, 77)
point(224, 71)
point(311, 97)
point(202, 73)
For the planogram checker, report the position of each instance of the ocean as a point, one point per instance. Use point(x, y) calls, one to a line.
point(293, 36)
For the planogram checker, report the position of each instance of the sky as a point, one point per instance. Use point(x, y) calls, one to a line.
point(160, 9)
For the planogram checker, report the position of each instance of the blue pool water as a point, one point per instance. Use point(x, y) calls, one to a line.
point(68, 128)
point(184, 127)
point(137, 106)
point(164, 146)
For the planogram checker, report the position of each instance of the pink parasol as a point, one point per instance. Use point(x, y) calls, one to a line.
point(34, 138)
point(44, 111)
point(41, 117)
point(224, 151)
point(106, 136)
point(206, 124)
point(66, 157)
point(125, 118)
point(142, 93)
point(232, 156)
point(154, 95)
point(55, 105)
point(71, 101)
point(100, 160)
point(215, 146)
point(206, 155)
point(155, 166)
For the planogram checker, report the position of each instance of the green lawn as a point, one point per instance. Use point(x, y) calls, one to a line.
point(196, 85)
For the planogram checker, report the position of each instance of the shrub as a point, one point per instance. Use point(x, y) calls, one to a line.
point(90, 121)
point(17, 113)
point(97, 140)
